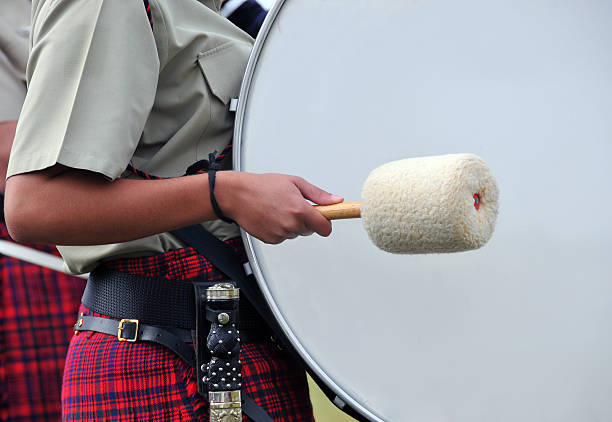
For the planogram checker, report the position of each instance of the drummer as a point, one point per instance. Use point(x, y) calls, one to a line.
point(119, 83)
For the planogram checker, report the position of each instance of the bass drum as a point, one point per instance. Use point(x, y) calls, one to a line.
point(519, 330)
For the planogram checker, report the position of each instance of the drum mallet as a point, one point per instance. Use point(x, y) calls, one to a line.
point(438, 204)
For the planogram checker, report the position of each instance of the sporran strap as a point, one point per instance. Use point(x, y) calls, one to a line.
point(224, 258)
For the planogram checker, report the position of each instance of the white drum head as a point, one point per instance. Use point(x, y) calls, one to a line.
point(517, 331)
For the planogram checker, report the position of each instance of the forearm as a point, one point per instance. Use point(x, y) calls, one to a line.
point(65, 206)
point(73, 207)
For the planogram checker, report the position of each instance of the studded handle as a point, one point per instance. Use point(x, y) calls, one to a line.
point(224, 372)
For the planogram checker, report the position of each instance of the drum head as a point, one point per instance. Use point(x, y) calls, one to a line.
point(519, 330)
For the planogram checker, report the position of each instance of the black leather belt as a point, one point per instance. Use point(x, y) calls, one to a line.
point(131, 330)
point(154, 309)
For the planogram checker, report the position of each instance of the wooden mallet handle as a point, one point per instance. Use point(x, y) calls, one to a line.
point(340, 211)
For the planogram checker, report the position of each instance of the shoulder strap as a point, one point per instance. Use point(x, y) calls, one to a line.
point(224, 258)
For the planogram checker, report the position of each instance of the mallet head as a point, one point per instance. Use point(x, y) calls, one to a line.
point(437, 204)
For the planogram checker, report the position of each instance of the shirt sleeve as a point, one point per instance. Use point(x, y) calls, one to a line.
point(92, 77)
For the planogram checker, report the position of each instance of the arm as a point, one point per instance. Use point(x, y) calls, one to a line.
point(65, 206)
point(66, 125)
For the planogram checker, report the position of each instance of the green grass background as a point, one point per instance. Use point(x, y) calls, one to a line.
point(324, 410)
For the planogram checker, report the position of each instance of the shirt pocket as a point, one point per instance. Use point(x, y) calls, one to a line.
point(223, 68)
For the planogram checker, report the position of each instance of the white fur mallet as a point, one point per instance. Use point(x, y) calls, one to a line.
point(445, 203)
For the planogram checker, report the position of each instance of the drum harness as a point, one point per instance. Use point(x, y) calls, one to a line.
point(176, 313)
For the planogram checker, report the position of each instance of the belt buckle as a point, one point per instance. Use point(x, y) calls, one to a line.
point(120, 330)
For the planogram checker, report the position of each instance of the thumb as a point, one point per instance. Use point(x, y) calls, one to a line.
point(316, 195)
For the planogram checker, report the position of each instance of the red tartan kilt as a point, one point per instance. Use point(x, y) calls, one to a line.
point(108, 380)
point(37, 310)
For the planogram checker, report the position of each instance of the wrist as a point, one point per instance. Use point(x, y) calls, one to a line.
point(227, 187)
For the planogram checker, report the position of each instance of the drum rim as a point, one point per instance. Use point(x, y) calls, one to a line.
point(248, 239)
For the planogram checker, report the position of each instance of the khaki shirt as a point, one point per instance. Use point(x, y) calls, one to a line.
point(14, 31)
point(105, 90)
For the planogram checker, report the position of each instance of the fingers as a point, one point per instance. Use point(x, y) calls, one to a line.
point(313, 219)
point(316, 222)
point(315, 194)
point(302, 221)
point(281, 236)
point(297, 225)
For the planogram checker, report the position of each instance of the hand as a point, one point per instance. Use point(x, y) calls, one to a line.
point(273, 207)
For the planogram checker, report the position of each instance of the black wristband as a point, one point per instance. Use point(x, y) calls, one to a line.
point(212, 172)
